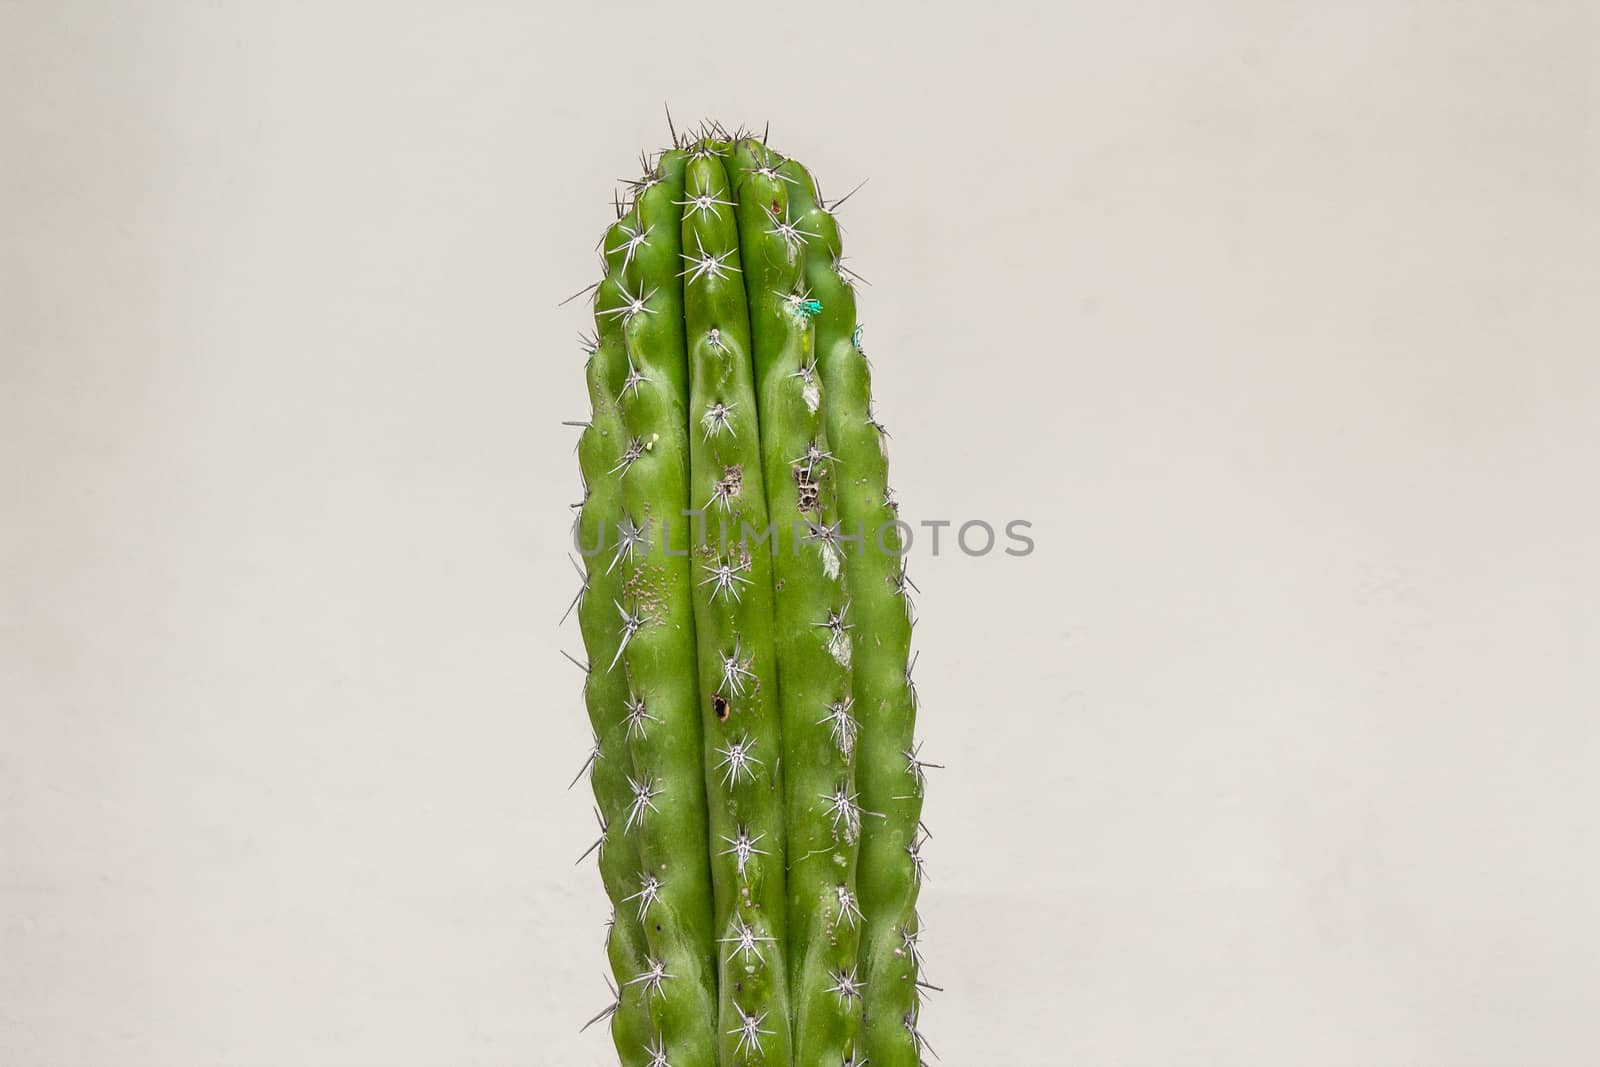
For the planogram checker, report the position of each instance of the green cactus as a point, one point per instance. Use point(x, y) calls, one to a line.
point(745, 612)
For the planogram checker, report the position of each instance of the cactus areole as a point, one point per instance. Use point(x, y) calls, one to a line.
point(746, 617)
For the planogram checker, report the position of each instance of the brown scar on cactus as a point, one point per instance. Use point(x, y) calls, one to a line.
point(810, 492)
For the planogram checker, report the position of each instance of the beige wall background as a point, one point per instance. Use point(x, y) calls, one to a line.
point(1277, 320)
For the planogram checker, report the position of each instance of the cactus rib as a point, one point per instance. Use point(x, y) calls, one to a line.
point(813, 645)
point(605, 694)
point(639, 307)
point(890, 778)
point(733, 622)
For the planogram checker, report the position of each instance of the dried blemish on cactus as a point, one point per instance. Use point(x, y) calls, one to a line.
point(810, 493)
point(726, 488)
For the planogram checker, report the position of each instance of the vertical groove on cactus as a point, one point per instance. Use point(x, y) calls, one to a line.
point(748, 685)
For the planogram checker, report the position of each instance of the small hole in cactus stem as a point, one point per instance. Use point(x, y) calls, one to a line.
point(720, 705)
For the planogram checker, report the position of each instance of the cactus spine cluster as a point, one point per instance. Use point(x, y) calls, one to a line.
point(746, 617)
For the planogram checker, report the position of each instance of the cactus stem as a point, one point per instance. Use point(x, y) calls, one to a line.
point(724, 280)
